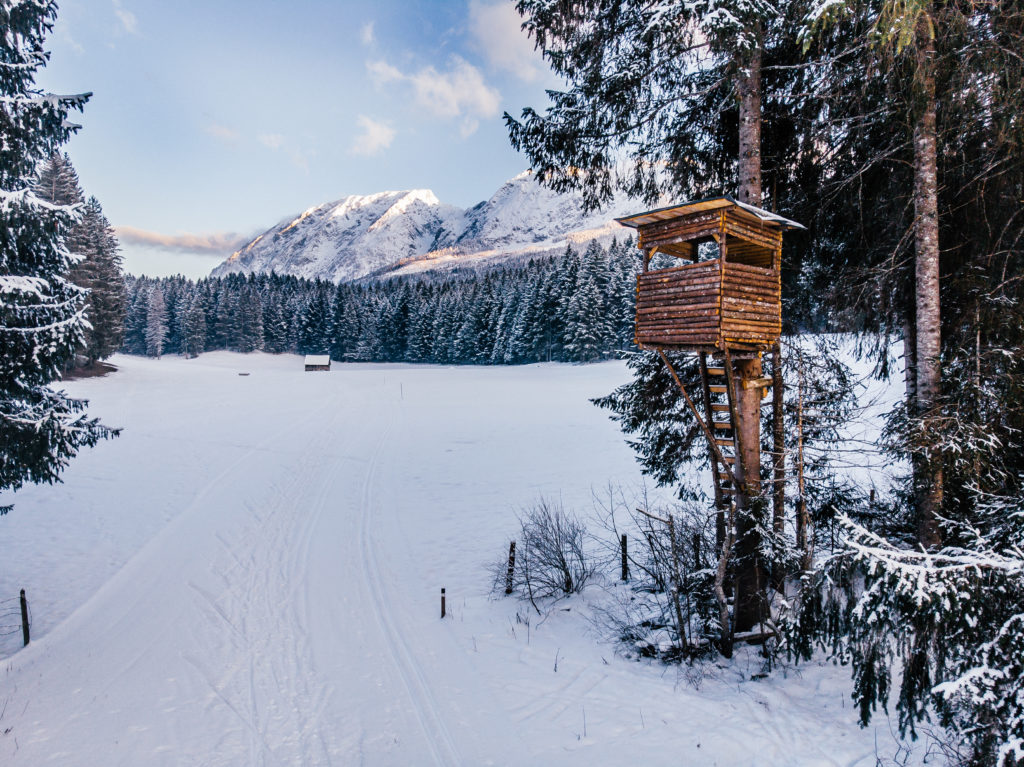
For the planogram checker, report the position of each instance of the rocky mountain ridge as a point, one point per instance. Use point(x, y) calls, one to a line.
point(392, 233)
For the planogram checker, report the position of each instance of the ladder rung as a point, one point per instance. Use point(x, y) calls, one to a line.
point(725, 442)
point(716, 371)
point(718, 388)
point(720, 407)
point(721, 424)
point(729, 458)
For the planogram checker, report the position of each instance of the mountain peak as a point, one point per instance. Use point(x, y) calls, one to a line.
point(410, 230)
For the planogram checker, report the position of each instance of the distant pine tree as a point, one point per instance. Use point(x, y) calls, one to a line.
point(101, 273)
point(194, 340)
point(156, 322)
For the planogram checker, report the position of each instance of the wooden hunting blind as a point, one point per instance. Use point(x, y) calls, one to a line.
point(729, 308)
point(730, 302)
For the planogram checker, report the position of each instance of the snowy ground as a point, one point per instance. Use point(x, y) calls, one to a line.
point(250, 575)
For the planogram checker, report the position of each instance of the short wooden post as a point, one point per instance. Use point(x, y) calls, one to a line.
point(625, 559)
point(511, 567)
point(24, 617)
point(443, 612)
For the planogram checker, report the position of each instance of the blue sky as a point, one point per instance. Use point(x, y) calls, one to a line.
point(211, 121)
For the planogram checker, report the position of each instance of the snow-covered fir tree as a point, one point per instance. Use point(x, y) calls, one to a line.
point(156, 322)
point(42, 315)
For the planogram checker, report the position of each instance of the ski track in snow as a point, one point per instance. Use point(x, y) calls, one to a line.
point(439, 740)
point(286, 615)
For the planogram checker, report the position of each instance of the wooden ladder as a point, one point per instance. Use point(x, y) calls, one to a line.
point(718, 411)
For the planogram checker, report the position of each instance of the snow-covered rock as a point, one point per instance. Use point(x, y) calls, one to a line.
point(400, 232)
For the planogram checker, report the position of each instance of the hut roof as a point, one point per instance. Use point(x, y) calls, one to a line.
point(318, 359)
point(699, 206)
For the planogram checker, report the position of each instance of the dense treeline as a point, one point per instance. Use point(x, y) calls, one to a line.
point(575, 308)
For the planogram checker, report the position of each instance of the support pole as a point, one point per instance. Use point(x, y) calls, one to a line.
point(24, 617)
point(750, 579)
point(625, 559)
point(511, 567)
point(443, 611)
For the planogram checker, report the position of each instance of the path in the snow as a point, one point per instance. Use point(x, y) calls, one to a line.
point(288, 613)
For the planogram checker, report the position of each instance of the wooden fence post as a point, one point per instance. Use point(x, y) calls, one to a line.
point(511, 567)
point(625, 560)
point(442, 603)
point(24, 617)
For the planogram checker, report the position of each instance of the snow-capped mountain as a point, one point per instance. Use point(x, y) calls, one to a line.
point(401, 232)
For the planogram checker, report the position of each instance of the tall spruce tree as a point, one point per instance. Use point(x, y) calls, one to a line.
point(42, 318)
point(156, 322)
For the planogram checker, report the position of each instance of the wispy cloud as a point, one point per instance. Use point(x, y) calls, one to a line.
point(376, 136)
point(496, 29)
point(213, 243)
point(278, 143)
point(367, 34)
point(128, 19)
point(222, 132)
point(272, 140)
point(459, 92)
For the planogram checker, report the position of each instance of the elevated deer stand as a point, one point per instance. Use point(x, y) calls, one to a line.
point(727, 308)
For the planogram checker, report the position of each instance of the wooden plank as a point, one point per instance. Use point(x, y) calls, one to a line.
point(709, 265)
point(710, 315)
point(697, 271)
point(681, 310)
point(750, 293)
point(696, 294)
point(698, 234)
point(692, 319)
point(742, 303)
point(738, 326)
point(679, 336)
point(747, 269)
point(766, 286)
point(740, 219)
point(750, 236)
point(764, 280)
point(701, 280)
point(680, 322)
point(694, 219)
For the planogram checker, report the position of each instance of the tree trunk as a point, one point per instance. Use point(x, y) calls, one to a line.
point(751, 506)
point(778, 460)
point(928, 482)
point(749, 90)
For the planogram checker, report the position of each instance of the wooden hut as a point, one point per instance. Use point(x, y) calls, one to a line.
point(732, 301)
point(318, 362)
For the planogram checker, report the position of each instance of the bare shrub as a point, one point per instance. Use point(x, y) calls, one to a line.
point(667, 609)
point(551, 560)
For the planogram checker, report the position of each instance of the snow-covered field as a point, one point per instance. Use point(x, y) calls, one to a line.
point(250, 575)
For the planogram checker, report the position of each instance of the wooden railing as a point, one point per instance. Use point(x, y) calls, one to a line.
point(700, 306)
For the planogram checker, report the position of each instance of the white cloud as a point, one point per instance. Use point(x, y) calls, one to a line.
point(127, 18)
point(367, 34)
point(375, 136)
point(223, 133)
point(497, 32)
point(272, 140)
point(459, 92)
point(278, 143)
point(208, 242)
